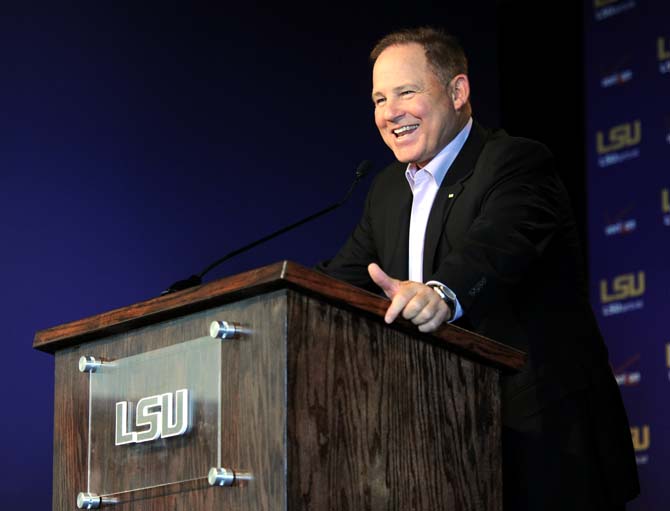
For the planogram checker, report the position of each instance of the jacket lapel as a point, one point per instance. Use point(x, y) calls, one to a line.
point(399, 227)
point(448, 192)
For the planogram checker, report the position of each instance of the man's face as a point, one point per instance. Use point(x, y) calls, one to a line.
point(413, 111)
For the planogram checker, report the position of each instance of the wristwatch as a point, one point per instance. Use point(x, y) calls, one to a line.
point(448, 296)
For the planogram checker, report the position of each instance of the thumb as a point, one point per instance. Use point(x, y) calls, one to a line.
point(388, 284)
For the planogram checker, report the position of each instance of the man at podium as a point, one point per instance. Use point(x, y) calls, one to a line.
point(474, 227)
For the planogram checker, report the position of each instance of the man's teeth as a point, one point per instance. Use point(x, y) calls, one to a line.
point(405, 129)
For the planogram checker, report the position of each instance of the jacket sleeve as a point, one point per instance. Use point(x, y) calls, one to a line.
point(521, 208)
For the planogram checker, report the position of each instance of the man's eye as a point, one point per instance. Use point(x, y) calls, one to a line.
point(407, 93)
point(379, 101)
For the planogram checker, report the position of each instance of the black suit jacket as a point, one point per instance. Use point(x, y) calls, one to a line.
point(502, 236)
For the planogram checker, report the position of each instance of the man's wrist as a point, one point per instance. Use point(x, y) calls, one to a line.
point(447, 296)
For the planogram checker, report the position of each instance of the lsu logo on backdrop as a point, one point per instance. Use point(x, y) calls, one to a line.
point(641, 436)
point(619, 143)
point(665, 205)
point(620, 225)
point(604, 9)
point(156, 414)
point(626, 375)
point(617, 74)
point(622, 294)
point(663, 53)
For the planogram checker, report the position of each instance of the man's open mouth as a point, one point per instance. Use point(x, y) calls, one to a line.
point(400, 132)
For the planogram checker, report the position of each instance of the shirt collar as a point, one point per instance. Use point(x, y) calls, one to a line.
point(440, 164)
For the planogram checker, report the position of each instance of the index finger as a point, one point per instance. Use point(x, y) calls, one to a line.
point(397, 305)
point(400, 300)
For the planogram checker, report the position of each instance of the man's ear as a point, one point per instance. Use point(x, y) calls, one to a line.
point(460, 91)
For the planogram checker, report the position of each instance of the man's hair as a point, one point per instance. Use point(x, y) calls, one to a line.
point(443, 51)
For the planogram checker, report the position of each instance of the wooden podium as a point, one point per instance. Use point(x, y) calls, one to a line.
point(314, 404)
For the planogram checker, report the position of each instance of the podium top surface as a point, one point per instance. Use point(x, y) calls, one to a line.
point(279, 275)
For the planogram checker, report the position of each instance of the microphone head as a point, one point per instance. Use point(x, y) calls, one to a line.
point(363, 168)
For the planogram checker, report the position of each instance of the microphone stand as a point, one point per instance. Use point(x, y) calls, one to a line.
point(195, 280)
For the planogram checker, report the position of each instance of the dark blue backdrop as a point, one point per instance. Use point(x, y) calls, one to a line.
point(140, 143)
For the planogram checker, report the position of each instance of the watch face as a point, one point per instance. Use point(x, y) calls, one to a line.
point(449, 297)
point(448, 293)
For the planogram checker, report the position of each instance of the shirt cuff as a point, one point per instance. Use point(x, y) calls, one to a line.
point(459, 310)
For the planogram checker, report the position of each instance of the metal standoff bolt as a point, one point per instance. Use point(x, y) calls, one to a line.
point(219, 476)
point(88, 500)
point(223, 330)
point(89, 364)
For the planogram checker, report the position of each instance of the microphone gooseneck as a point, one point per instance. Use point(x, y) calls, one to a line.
point(195, 280)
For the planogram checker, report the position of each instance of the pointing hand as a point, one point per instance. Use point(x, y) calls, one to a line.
point(415, 301)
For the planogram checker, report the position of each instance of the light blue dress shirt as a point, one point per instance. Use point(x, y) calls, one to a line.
point(424, 183)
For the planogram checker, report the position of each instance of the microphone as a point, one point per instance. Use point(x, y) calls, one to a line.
point(195, 280)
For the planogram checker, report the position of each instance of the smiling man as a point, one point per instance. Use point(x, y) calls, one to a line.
point(416, 114)
point(474, 226)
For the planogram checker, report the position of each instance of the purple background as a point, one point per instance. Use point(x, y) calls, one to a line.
point(627, 42)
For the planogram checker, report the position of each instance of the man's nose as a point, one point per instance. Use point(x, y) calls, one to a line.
point(393, 110)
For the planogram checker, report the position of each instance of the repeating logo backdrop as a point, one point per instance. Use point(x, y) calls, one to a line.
point(627, 59)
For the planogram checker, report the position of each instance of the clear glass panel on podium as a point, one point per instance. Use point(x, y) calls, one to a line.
point(144, 429)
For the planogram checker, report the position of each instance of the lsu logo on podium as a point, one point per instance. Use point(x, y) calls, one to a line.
point(622, 294)
point(619, 143)
point(157, 414)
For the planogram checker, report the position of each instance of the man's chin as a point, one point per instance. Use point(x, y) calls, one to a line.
point(420, 160)
point(403, 157)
